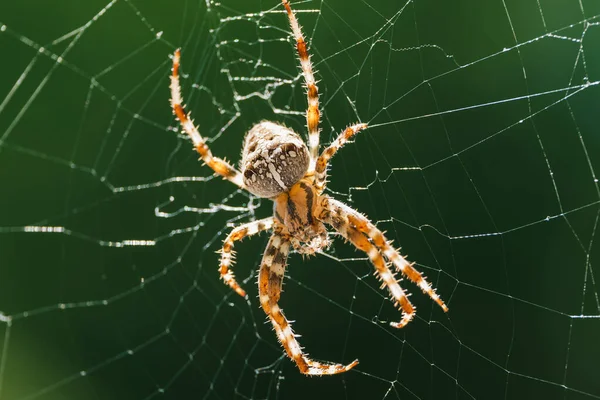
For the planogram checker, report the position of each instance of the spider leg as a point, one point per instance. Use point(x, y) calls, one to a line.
point(220, 166)
point(323, 160)
point(227, 253)
point(365, 226)
point(341, 224)
point(270, 279)
point(312, 92)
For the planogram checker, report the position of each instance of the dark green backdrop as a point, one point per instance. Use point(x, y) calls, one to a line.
point(481, 162)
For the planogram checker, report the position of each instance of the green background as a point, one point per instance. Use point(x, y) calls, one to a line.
point(481, 162)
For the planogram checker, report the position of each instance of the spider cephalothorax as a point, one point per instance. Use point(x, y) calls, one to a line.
point(300, 212)
point(276, 164)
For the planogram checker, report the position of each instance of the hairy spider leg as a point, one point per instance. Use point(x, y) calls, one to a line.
point(220, 166)
point(406, 268)
point(270, 279)
point(329, 152)
point(312, 92)
point(339, 220)
point(227, 253)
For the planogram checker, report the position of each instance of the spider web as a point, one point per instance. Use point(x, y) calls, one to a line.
point(480, 161)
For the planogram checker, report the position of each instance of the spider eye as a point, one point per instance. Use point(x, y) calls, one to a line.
point(273, 160)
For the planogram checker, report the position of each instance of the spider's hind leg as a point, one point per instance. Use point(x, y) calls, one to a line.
point(312, 92)
point(220, 166)
point(323, 160)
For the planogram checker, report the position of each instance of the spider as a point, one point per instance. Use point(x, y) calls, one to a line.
point(276, 164)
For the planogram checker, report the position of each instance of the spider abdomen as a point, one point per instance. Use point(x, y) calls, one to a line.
point(274, 158)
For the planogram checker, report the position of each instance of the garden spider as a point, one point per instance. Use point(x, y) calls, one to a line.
point(276, 164)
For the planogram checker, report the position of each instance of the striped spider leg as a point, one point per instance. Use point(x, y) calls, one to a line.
point(277, 165)
point(313, 114)
point(270, 278)
point(400, 263)
point(329, 152)
point(361, 232)
point(227, 253)
point(220, 166)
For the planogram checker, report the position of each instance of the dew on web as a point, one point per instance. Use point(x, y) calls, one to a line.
point(479, 162)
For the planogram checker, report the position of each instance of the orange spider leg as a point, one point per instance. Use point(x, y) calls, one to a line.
point(338, 219)
point(402, 265)
point(321, 168)
point(270, 279)
point(220, 166)
point(227, 253)
point(312, 92)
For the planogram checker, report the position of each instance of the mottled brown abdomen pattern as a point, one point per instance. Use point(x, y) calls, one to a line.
point(274, 158)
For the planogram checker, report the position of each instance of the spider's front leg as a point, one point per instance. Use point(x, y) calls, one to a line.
point(402, 265)
point(238, 233)
point(220, 166)
point(358, 229)
point(270, 279)
point(341, 224)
